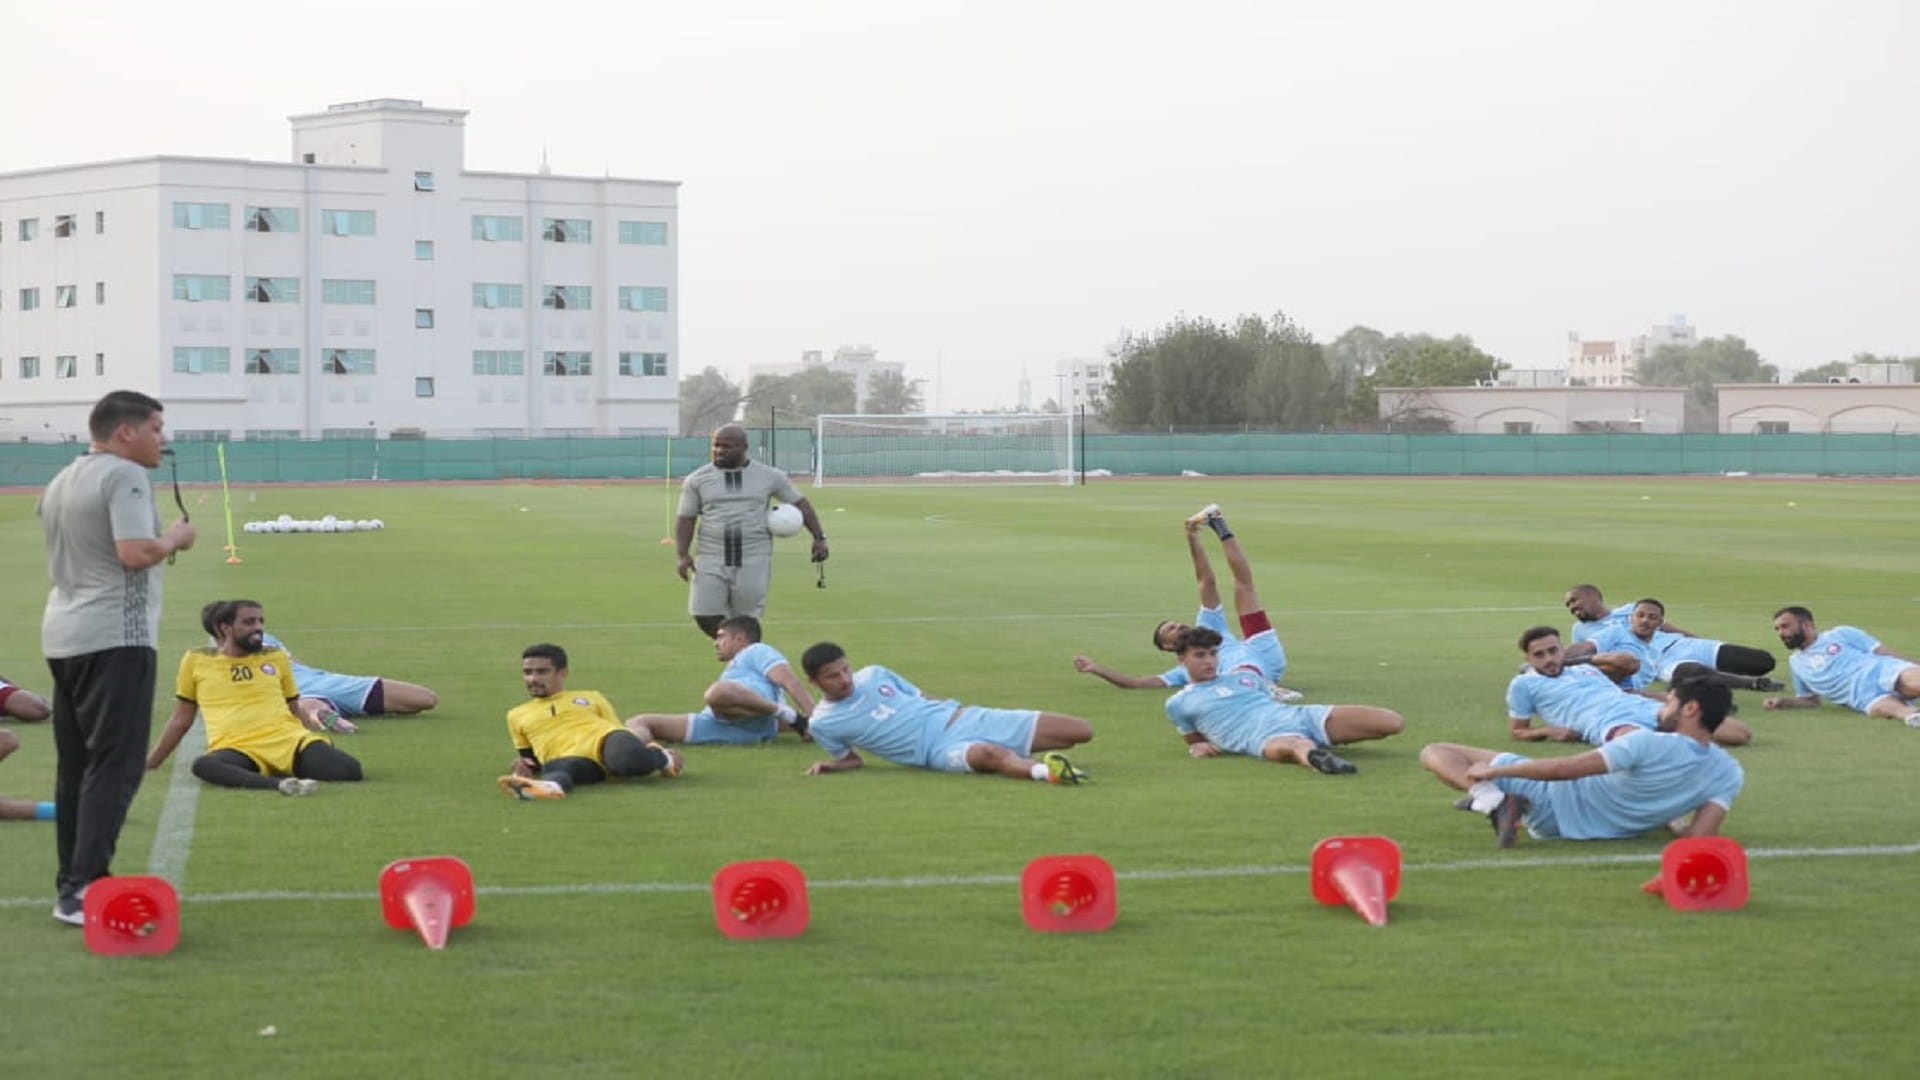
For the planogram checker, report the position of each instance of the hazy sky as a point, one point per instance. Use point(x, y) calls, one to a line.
point(985, 188)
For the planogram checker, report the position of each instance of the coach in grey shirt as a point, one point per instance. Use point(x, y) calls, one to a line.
point(101, 631)
point(728, 497)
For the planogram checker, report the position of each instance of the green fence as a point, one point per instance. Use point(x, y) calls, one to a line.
point(33, 464)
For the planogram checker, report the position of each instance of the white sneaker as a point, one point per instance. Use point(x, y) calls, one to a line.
point(1484, 797)
point(1913, 719)
point(1283, 695)
point(71, 910)
point(294, 785)
point(1211, 510)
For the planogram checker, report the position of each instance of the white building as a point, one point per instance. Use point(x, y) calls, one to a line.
point(1617, 362)
point(1082, 382)
point(860, 361)
point(370, 285)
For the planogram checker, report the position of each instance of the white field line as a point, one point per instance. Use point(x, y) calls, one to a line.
point(944, 881)
point(173, 836)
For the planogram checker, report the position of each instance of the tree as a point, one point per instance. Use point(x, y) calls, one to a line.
point(1423, 360)
point(1702, 367)
point(1198, 373)
point(890, 393)
point(1823, 372)
point(707, 400)
point(1357, 353)
point(799, 397)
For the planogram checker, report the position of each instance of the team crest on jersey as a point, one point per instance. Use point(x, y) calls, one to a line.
point(1833, 648)
point(886, 691)
point(580, 701)
point(267, 669)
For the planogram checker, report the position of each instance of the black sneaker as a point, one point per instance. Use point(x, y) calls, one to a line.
point(1767, 686)
point(1326, 761)
point(71, 910)
point(799, 726)
point(1506, 819)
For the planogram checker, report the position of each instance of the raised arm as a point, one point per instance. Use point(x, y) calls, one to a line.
point(1126, 682)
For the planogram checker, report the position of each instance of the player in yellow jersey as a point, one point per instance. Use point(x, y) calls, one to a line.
point(567, 737)
point(247, 693)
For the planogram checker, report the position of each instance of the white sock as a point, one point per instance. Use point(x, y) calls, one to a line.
point(785, 714)
point(1486, 796)
point(1039, 770)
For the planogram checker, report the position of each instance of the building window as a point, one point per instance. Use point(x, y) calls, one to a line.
point(651, 233)
point(567, 363)
point(273, 219)
point(498, 227)
point(99, 292)
point(568, 297)
point(271, 434)
point(99, 221)
point(200, 361)
point(66, 296)
point(1770, 427)
point(29, 299)
point(423, 386)
point(423, 181)
point(29, 367)
point(63, 226)
point(201, 215)
point(66, 367)
point(273, 290)
point(643, 363)
point(346, 291)
point(499, 362)
point(29, 228)
point(497, 295)
point(348, 362)
point(423, 318)
point(273, 361)
point(1518, 427)
point(567, 230)
point(349, 434)
point(643, 298)
point(197, 434)
point(346, 222)
point(194, 288)
point(423, 250)
point(99, 363)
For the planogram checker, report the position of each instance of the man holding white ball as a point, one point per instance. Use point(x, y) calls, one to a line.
point(730, 571)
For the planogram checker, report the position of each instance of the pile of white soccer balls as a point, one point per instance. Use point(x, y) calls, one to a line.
point(287, 523)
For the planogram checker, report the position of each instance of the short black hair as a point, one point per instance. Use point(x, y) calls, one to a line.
point(120, 407)
point(546, 652)
point(819, 655)
point(1534, 634)
point(1796, 611)
point(1655, 603)
point(219, 613)
point(1714, 699)
point(1196, 637)
point(741, 624)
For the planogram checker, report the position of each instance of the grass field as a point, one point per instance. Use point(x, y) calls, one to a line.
point(594, 949)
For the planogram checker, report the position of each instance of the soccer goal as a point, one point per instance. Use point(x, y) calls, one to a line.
point(978, 448)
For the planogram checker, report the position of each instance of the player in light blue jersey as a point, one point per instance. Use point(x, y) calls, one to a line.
point(1582, 703)
point(1591, 614)
point(877, 711)
point(744, 706)
point(1668, 656)
point(1232, 710)
point(1674, 775)
point(1848, 666)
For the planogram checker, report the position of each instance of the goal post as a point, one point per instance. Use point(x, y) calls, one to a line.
point(967, 448)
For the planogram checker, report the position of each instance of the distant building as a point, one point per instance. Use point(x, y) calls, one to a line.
point(1082, 382)
point(370, 285)
point(861, 361)
point(1531, 377)
point(1497, 410)
point(1820, 408)
point(1616, 362)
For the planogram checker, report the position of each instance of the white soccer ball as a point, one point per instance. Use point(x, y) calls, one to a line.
point(378, 524)
point(345, 526)
point(250, 527)
point(326, 524)
point(783, 519)
point(364, 525)
point(285, 519)
point(301, 525)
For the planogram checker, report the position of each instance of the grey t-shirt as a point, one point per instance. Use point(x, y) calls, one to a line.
point(96, 603)
point(732, 507)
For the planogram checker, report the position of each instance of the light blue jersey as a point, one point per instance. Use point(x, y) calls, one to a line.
point(1676, 649)
point(1841, 666)
point(346, 693)
point(1616, 637)
point(1581, 699)
point(1617, 617)
point(1237, 713)
point(751, 667)
point(1262, 650)
point(1652, 778)
point(886, 716)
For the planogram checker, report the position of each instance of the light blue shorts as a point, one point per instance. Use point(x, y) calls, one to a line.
point(1540, 821)
point(1306, 721)
point(704, 727)
point(347, 693)
point(1009, 728)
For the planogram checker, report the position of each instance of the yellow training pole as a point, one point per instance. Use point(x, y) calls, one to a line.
point(226, 503)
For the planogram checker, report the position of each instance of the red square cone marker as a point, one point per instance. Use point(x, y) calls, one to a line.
point(132, 916)
point(763, 899)
point(1362, 872)
point(431, 895)
point(1068, 893)
point(1702, 873)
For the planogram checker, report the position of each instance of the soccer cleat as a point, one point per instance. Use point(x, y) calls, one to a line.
point(294, 786)
point(1913, 719)
point(1326, 761)
point(1060, 770)
point(675, 763)
point(1506, 820)
point(71, 910)
point(1211, 510)
point(521, 787)
point(799, 725)
point(1767, 686)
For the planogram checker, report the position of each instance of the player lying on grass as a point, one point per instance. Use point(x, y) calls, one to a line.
point(1665, 656)
point(19, 809)
point(1673, 776)
point(1583, 703)
point(1592, 615)
point(1848, 666)
point(879, 712)
point(572, 737)
point(1211, 614)
point(328, 698)
point(245, 689)
point(1234, 712)
point(744, 706)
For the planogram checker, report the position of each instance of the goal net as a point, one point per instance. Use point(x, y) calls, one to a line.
point(999, 448)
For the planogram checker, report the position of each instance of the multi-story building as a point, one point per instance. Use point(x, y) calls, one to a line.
point(860, 361)
point(1617, 362)
point(370, 286)
point(1082, 382)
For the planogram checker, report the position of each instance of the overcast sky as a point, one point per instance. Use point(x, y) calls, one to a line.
point(982, 189)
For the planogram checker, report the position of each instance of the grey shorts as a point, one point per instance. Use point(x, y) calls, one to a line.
point(730, 590)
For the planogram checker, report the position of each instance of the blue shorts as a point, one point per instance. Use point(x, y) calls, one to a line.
point(1304, 721)
point(1540, 820)
point(1009, 728)
point(346, 693)
point(704, 727)
point(1264, 649)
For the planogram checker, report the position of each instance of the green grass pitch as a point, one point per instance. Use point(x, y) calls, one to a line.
point(594, 949)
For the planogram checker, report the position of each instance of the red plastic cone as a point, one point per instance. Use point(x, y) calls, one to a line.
point(1362, 872)
point(762, 899)
point(1702, 873)
point(1068, 893)
point(132, 916)
point(431, 895)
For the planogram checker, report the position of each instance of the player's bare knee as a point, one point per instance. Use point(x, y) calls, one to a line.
point(27, 708)
point(9, 742)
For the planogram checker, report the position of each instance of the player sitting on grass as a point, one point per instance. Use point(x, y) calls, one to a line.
point(1847, 665)
point(571, 737)
point(744, 706)
point(1584, 703)
point(1211, 615)
point(1631, 784)
point(875, 710)
point(1234, 711)
point(245, 688)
